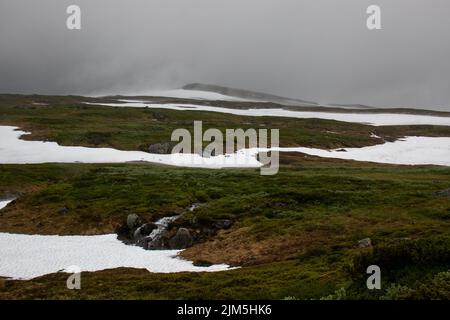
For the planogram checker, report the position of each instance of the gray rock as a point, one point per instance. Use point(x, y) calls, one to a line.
point(147, 228)
point(399, 240)
point(159, 243)
point(443, 193)
point(143, 231)
point(142, 243)
point(202, 263)
point(161, 148)
point(223, 224)
point(181, 240)
point(156, 244)
point(133, 221)
point(209, 232)
point(137, 235)
point(365, 243)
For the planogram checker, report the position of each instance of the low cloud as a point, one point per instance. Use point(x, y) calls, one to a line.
point(317, 50)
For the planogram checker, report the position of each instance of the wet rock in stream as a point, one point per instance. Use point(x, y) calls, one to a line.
point(165, 233)
point(155, 236)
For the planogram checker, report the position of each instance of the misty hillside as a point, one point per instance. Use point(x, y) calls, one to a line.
point(246, 94)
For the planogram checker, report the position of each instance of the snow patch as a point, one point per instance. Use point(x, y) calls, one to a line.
point(373, 135)
point(190, 94)
point(4, 203)
point(407, 151)
point(29, 256)
point(13, 150)
point(376, 119)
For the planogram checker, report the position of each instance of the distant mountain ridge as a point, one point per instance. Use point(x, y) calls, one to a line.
point(246, 94)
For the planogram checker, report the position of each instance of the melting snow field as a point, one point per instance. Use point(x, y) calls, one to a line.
point(16, 151)
point(408, 151)
point(30, 256)
point(376, 119)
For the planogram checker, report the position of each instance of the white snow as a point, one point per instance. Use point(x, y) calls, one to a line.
point(373, 135)
point(376, 119)
point(16, 151)
point(29, 256)
point(407, 151)
point(4, 203)
point(190, 94)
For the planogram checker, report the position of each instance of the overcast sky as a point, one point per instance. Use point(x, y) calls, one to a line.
point(317, 50)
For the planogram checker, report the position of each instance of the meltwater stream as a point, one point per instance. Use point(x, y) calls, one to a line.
point(154, 239)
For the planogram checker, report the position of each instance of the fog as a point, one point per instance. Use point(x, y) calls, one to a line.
point(318, 50)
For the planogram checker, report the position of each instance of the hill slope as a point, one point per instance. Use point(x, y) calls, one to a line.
point(246, 94)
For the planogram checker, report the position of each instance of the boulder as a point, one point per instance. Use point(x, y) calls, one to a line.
point(159, 243)
point(365, 243)
point(160, 148)
point(133, 221)
point(147, 228)
point(137, 234)
point(181, 240)
point(143, 242)
point(144, 231)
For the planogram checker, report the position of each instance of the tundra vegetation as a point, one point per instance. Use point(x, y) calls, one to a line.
point(295, 235)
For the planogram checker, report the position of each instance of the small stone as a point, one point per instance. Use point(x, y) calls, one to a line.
point(443, 193)
point(223, 224)
point(365, 243)
point(209, 232)
point(202, 263)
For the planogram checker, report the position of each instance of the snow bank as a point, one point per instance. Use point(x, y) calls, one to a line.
point(408, 151)
point(16, 151)
point(376, 119)
point(30, 256)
